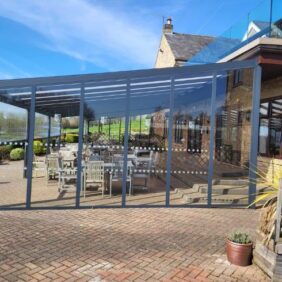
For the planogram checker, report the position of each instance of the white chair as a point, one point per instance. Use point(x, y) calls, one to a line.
point(143, 171)
point(52, 167)
point(117, 175)
point(155, 160)
point(38, 167)
point(68, 158)
point(65, 175)
point(94, 173)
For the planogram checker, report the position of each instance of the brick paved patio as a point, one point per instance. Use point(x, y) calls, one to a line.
point(122, 245)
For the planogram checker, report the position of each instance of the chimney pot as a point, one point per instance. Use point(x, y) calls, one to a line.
point(168, 27)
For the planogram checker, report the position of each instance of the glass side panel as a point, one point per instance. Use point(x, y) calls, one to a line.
point(103, 147)
point(148, 140)
point(13, 146)
point(55, 145)
point(191, 139)
point(262, 21)
point(276, 27)
point(232, 138)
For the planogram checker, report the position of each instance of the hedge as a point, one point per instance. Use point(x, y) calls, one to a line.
point(17, 154)
point(38, 147)
point(5, 152)
point(71, 138)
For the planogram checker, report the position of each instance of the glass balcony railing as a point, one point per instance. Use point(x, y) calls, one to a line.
point(264, 21)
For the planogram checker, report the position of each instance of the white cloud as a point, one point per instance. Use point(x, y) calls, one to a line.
point(85, 31)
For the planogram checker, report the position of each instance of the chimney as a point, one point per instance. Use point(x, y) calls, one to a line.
point(168, 27)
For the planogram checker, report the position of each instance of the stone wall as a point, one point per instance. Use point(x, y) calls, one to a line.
point(271, 88)
point(165, 57)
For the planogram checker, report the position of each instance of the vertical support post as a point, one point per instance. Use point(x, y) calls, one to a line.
point(254, 133)
point(80, 146)
point(30, 146)
point(212, 136)
point(169, 152)
point(59, 141)
point(278, 213)
point(49, 135)
point(125, 144)
point(26, 146)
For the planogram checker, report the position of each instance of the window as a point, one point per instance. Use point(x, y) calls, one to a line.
point(178, 136)
point(195, 134)
point(270, 136)
point(237, 77)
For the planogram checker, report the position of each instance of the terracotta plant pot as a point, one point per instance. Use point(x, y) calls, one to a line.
point(239, 254)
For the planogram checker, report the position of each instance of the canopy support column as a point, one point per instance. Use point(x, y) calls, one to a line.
point(49, 136)
point(30, 147)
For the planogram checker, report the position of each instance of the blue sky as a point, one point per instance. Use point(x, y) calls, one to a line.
point(51, 37)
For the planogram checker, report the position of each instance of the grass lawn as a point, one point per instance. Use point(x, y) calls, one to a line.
point(115, 127)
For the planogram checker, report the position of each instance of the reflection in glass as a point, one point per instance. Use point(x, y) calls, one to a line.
point(13, 147)
point(232, 138)
point(191, 134)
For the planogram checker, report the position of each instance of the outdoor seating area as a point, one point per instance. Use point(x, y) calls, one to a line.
point(130, 138)
point(101, 167)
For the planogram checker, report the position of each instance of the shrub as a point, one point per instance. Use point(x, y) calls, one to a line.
point(240, 237)
point(5, 152)
point(17, 154)
point(38, 147)
point(62, 137)
point(71, 138)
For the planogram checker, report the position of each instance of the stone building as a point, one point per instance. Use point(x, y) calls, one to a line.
point(232, 136)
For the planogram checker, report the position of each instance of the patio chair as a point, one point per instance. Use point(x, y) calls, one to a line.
point(143, 171)
point(68, 157)
point(38, 167)
point(155, 156)
point(94, 173)
point(65, 175)
point(52, 166)
point(117, 175)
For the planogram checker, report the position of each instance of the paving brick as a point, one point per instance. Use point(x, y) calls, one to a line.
point(122, 245)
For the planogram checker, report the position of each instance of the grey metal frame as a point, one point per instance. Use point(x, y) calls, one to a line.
point(80, 146)
point(212, 131)
point(125, 144)
point(31, 128)
point(170, 131)
point(172, 72)
point(254, 132)
point(49, 135)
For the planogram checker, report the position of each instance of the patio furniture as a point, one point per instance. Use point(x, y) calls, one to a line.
point(38, 167)
point(94, 173)
point(155, 162)
point(68, 157)
point(143, 172)
point(52, 166)
point(116, 174)
point(65, 175)
point(140, 152)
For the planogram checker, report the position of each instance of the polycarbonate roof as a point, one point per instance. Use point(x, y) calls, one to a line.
point(107, 93)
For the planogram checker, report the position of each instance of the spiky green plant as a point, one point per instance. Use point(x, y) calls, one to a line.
point(239, 237)
point(269, 195)
point(269, 199)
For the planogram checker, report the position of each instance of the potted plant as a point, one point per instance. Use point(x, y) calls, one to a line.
point(239, 248)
